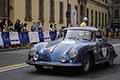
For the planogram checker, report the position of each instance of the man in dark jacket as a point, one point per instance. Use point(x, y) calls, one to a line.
point(2, 25)
point(17, 26)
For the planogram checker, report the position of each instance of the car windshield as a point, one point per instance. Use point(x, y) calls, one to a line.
point(78, 34)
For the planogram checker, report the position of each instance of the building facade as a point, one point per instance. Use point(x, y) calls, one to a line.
point(56, 11)
point(47, 11)
point(4, 9)
point(115, 20)
point(97, 12)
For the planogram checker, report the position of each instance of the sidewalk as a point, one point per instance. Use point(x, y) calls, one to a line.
point(114, 41)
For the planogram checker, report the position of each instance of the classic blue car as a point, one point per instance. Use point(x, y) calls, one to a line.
point(81, 47)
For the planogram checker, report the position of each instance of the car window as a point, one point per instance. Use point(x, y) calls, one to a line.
point(78, 34)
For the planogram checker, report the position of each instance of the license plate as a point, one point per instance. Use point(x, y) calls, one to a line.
point(47, 67)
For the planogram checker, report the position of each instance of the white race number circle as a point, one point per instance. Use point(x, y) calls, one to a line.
point(104, 51)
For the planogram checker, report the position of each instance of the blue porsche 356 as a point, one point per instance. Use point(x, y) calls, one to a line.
point(82, 47)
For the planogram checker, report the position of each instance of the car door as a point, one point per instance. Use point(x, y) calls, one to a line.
point(101, 49)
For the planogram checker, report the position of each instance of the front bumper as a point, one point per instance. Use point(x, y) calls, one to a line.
point(42, 63)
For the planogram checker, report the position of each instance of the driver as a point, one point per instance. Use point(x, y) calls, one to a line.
point(99, 34)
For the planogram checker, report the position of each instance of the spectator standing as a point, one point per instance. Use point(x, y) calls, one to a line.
point(21, 26)
point(61, 32)
point(10, 24)
point(117, 31)
point(39, 28)
point(17, 26)
point(3, 25)
point(33, 27)
point(51, 32)
point(113, 31)
point(55, 31)
point(24, 28)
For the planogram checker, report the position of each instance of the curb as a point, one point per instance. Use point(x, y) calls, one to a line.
point(11, 49)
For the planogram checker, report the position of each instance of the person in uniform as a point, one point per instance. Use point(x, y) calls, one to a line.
point(84, 23)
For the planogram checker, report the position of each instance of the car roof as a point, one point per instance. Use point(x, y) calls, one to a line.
point(83, 28)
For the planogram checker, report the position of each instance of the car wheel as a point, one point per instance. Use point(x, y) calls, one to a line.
point(38, 68)
point(86, 64)
point(110, 60)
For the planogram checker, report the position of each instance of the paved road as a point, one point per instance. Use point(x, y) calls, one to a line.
point(12, 67)
point(13, 57)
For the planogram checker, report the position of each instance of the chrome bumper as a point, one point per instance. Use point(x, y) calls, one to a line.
point(42, 63)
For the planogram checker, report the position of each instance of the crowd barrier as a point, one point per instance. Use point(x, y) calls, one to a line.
point(14, 38)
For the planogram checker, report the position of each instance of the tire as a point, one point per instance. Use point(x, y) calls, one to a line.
point(86, 64)
point(38, 68)
point(110, 61)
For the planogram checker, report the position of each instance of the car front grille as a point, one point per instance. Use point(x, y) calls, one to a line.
point(44, 57)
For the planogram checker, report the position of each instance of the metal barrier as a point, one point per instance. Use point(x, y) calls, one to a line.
point(15, 38)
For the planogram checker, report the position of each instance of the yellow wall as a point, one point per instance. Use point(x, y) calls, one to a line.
point(46, 14)
point(18, 11)
point(92, 6)
point(12, 10)
point(35, 10)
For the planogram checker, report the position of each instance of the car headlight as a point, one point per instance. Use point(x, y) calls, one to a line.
point(72, 53)
point(35, 57)
point(63, 59)
point(32, 51)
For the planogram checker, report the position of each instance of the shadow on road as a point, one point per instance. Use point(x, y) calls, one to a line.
point(100, 71)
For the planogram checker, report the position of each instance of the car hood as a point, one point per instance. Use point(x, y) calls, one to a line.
point(54, 51)
point(62, 48)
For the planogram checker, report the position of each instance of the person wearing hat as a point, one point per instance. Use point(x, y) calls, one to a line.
point(84, 23)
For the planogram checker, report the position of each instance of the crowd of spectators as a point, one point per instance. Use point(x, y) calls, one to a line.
point(7, 25)
point(18, 26)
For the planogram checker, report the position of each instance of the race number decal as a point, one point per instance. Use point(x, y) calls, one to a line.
point(104, 52)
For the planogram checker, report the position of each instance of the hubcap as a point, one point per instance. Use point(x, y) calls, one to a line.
point(86, 65)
